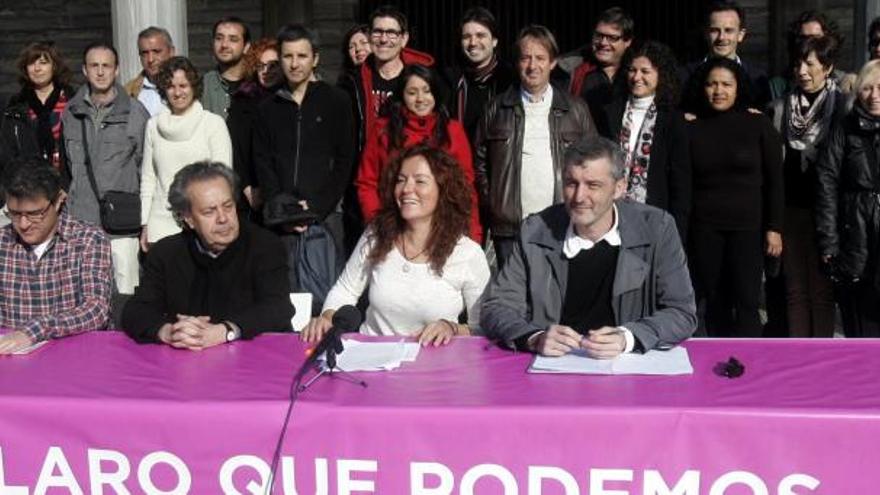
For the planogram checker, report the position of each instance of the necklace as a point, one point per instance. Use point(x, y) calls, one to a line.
point(409, 259)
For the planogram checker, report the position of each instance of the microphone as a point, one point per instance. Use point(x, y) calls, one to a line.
point(346, 319)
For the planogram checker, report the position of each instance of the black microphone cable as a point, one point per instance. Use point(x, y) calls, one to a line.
point(347, 317)
point(276, 456)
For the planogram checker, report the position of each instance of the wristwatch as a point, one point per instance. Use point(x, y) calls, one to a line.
point(232, 332)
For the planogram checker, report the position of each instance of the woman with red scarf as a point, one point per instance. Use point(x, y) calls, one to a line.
point(415, 116)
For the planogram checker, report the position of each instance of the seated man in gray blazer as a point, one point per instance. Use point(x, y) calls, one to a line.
point(596, 273)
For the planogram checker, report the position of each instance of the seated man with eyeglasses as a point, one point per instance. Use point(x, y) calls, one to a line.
point(56, 274)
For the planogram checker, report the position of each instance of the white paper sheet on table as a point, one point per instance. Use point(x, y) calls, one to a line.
point(31, 348)
point(375, 356)
point(672, 362)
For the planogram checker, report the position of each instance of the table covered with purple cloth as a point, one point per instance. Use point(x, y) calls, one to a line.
point(97, 413)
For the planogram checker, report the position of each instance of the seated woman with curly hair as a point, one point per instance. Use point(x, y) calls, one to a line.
point(415, 259)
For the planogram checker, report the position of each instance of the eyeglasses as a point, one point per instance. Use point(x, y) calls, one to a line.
point(261, 67)
point(35, 216)
point(392, 34)
point(611, 38)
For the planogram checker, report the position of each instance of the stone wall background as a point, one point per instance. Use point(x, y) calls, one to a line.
point(75, 23)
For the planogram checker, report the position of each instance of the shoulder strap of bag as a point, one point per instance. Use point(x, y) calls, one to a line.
point(87, 154)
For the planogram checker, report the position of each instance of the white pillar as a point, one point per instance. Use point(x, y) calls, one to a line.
point(132, 16)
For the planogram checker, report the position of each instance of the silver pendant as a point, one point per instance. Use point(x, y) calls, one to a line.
point(406, 267)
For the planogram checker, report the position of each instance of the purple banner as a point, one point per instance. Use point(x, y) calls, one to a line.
point(97, 413)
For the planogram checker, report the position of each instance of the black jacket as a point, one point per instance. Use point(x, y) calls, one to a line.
point(848, 200)
point(305, 150)
point(498, 152)
point(18, 136)
point(475, 95)
point(241, 121)
point(247, 285)
point(669, 171)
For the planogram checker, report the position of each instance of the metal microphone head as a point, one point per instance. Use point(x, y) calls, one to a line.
point(347, 319)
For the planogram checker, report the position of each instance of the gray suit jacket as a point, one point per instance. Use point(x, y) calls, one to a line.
point(652, 294)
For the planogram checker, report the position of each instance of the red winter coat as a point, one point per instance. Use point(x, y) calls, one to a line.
point(418, 129)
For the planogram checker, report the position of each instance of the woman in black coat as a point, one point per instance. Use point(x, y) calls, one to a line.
point(30, 125)
point(652, 132)
point(848, 207)
point(738, 200)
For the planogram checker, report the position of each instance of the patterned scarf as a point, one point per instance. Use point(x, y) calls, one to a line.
point(476, 75)
point(47, 119)
point(807, 124)
point(637, 158)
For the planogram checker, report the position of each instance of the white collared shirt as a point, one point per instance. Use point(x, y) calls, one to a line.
point(149, 97)
point(574, 243)
point(546, 96)
point(40, 249)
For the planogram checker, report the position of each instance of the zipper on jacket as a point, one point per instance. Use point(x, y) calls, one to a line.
point(298, 146)
point(362, 132)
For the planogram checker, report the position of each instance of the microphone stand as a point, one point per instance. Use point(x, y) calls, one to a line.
point(330, 369)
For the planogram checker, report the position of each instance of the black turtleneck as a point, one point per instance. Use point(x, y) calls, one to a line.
point(737, 172)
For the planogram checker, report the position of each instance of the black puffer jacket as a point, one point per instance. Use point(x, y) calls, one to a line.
point(848, 201)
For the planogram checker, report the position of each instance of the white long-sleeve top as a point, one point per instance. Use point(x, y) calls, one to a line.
point(171, 143)
point(405, 296)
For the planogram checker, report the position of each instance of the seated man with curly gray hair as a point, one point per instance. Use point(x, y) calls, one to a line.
point(219, 280)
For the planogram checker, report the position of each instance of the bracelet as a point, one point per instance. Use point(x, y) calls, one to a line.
point(452, 326)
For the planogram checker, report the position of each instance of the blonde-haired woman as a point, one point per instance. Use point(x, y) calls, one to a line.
point(848, 209)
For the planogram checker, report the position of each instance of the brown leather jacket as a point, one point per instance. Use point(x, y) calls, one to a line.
point(498, 152)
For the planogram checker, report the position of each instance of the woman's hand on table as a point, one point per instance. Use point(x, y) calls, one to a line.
point(437, 333)
point(317, 327)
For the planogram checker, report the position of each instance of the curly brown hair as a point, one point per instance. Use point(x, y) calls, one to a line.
point(166, 74)
point(450, 220)
point(61, 74)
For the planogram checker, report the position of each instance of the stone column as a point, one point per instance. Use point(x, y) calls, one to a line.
point(132, 16)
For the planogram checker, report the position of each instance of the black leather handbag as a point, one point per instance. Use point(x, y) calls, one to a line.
point(120, 210)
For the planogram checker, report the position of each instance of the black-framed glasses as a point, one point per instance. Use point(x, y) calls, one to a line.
point(33, 216)
point(261, 67)
point(391, 34)
point(611, 38)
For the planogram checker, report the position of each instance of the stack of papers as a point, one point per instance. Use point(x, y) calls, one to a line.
point(672, 362)
point(375, 356)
